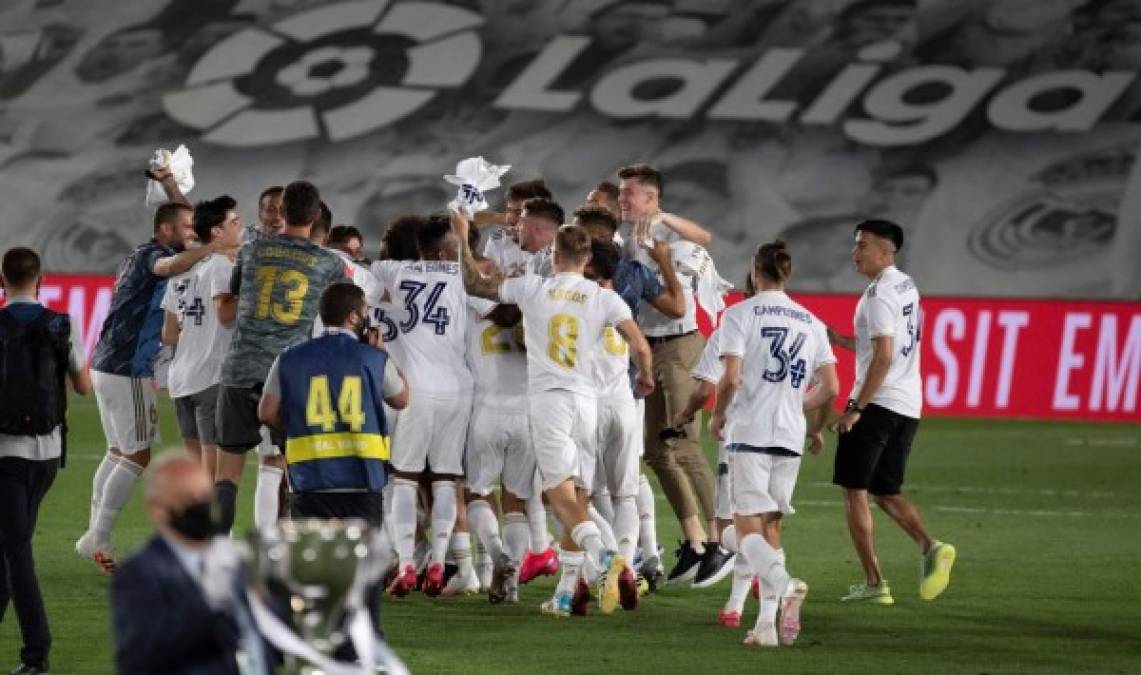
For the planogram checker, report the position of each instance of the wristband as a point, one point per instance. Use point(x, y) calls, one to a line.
point(852, 407)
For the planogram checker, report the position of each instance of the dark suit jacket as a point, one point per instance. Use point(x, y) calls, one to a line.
point(161, 621)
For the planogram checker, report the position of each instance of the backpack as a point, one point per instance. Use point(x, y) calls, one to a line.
point(34, 358)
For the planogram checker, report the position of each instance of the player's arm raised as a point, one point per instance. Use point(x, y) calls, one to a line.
point(475, 283)
point(641, 354)
point(687, 228)
point(165, 178)
point(671, 301)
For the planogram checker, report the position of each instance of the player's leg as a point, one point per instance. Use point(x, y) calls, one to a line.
point(271, 473)
point(239, 431)
point(540, 558)
point(718, 559)
point(465, 581)
point(187, 422)
point(743, 577)
point(447, 432)
point(409, 459)
point(206, 425)
point(857, 453)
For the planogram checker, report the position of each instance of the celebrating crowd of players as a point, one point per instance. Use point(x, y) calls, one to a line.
point(547, 366)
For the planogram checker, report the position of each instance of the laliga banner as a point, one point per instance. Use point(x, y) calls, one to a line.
point(1014, 358)
point(1002, 134)
point(980, 358)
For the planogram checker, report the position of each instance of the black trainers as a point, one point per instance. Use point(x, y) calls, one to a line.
point(688, 561)
point(30, 669)
point(715, 565)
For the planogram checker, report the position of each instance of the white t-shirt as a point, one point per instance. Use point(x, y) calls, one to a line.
point(709, 367)
point(498, 362)
point(386, 318)
point(611, 368)
point(781, 345)
point(362, 279)
point(433, 324)
point(204, 342)
point(890, 306)
point(652, 322)
point(563, 319)
point(504, 251)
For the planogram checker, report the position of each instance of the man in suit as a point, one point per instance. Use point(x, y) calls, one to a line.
point(174, 604)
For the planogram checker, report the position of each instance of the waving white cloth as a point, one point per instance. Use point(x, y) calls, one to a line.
point(181, 166)
point(692, 260)
point(474, 176)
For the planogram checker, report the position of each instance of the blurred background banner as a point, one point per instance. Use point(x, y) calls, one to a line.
point(1002, 134)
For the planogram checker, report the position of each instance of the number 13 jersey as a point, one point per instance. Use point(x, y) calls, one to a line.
point(781, 344)
point(563, 319)
point(890, 307)
point(432, 320)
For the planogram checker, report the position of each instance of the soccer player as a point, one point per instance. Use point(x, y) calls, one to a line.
point(771, 349)
point(564, 317)
point(348, 240)
point(605, 196)
point(502, 247)
point(681, 466)
point(191, 323)
point(431, 432)
point(121, 368)
point(882, 414)
point(270, 215)
point(274, 293)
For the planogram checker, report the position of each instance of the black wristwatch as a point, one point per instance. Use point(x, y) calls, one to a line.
point(852, 407)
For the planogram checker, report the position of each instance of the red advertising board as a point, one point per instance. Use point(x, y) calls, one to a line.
point(1040, 359)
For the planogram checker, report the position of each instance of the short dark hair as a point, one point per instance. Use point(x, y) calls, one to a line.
point(544, 208)
point(431, 233)
point(342, 234)
point(589, 213)
point(604, 257)
point(271, 191)
point(399, 239)
point(528, 189)
point(610, 189)
point(773, 262)
point(324, 222)
point(209, 214)
point(302, 203)
point(884, 229)
point(920, 170)
point(168, 213)
point(21, 266)
point(644, 174)
point(573, 241)
point(338, 301)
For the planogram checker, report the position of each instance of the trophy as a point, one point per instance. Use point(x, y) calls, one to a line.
point(315, 574)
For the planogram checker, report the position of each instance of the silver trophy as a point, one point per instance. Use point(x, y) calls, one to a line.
point(316, 572)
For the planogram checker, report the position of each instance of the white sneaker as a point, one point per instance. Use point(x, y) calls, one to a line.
point(790, 604)
point(764, 636)
point(92, 547)
point(461, 583)
point(483, 571)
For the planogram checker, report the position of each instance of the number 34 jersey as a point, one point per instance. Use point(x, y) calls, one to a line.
point(279, 282)
point(781, 345)
point(203, 342)
point(564, 317)
point(431, 318)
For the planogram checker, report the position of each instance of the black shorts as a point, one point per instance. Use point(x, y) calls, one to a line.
point(873, 455)
point(368, 506)
point(239, 430)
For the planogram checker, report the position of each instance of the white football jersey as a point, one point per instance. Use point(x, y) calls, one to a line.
point(781, 344)
point(709, 367)
point(563, 318)
point(890, 306)
point(204, 342)
point(498, 361)
point(504, 251)
point(385, 317)
point(432, 325)
point(653, 322)
point(363, 279)
point(611, 367)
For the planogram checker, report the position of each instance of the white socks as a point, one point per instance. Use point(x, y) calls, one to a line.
point(729, 539)
point(485, 526)
point(102, 472)
point(516, 533)
point(766, 562)
point(443, 517)
point(626, 526)
point(460, 548)
point(570, 562)
point(742, 582)
point(537, 519)
point(604, 529)
point(647, 532)
point(116, 491)
point(266, 495)
point(602, 502)
point(403, 520)
point(587, 537)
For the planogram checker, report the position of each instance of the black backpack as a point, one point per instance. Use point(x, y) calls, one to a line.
point(34, 358)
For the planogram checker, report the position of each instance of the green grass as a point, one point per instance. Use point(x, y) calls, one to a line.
point(1046, 519)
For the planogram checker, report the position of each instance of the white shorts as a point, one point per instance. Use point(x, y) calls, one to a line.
point(617, 448)
point(640, 426)
point(499, 447)
point(724, 508)
point(562, 433)
point(128, 410)
point(431, 435)
point(761, 483)
point(267, 448)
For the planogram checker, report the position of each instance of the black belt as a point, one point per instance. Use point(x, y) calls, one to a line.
point(660, 339)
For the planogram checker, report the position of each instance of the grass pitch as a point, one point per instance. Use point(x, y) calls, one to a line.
point(1045, 517)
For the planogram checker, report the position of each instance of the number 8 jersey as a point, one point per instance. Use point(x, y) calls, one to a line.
point(431, 318)
point(890, 307)
point(781, 344)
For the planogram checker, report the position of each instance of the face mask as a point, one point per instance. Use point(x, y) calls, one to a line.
point(194, 522)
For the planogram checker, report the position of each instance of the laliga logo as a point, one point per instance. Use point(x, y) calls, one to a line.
point(338, 71)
